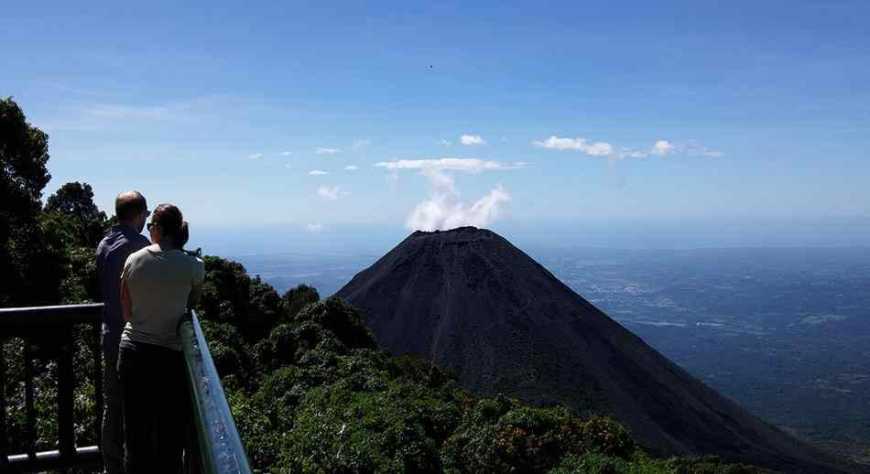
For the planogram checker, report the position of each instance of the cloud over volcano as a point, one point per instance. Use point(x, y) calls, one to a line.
point(444, 209)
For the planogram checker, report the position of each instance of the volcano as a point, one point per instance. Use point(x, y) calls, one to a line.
point(471, 302)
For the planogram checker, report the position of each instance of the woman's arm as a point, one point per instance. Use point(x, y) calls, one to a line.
point(126, 302)
point(196, 283)
point(193, 298)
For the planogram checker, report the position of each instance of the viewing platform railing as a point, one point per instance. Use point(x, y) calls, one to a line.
point(49, 330)
point(220, 448)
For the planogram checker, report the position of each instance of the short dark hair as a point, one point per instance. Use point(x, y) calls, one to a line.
point(168, 217)
point(130, 204)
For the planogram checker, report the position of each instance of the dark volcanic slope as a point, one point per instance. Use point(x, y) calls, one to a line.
point(472, 302)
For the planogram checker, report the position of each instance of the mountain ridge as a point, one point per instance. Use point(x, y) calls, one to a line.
point(470, 301)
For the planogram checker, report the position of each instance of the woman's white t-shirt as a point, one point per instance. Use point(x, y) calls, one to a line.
point(159, 283)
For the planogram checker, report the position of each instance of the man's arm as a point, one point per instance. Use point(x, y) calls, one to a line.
point(98, 256)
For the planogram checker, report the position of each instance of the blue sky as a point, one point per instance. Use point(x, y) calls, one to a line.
point(761, 110)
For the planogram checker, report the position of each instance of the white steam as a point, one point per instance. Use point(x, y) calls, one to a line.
point(445, 210)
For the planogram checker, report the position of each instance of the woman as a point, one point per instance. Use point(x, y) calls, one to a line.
point(157, 285)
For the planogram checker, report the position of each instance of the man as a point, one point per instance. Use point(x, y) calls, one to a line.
point(131, 210)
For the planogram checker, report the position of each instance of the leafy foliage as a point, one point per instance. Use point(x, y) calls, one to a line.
point(24, 155)
point(598, 463)
point(75, 201)
point(23, 175)
point(46, 255)
point(297, 298)
point(229, 295)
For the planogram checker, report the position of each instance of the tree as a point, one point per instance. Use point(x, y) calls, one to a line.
point(76, 201)
point(297, 298)
point(73, 226)
point(23, 155)
point(30, 273)
point(230, 295)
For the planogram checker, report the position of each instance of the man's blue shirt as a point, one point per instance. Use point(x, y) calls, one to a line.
point(112, 252)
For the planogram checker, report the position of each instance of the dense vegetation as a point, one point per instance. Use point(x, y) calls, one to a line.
point(312, 393)
point(308, 387)
point(46, 257)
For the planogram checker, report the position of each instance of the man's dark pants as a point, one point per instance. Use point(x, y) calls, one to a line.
point(112, 445)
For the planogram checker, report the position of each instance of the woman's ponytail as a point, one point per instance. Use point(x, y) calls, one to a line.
point(183, 235)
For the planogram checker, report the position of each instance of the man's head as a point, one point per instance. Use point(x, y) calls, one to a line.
point(131, 209)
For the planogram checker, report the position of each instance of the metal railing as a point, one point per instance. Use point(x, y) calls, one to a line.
point(49, 329)
point(221, 450)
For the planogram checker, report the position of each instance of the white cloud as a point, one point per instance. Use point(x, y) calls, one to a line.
point(606, 150)
point(317, 173)
point(286, 153)
point(470, 165)
point(351, 168)
point(579, 144)
point(331, 193)
point(445, 142)
point(472, 140)
point(599, 149)
point(314, 227)
point(255, 156)
point(327, 151)
point(662, 148)
point(694, 148)
point(444, 210)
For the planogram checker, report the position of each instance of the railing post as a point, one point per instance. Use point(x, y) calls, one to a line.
point(47, 332)
point(4, 440)
point(65, 388)
point(30, 414)
point(98, 380)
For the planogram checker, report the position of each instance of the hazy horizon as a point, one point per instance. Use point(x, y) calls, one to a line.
point(363, 239)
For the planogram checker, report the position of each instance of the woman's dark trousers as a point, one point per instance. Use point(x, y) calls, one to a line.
point(156, 407)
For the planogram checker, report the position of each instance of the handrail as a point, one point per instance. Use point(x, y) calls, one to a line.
point(219, 445)
point(49, 316)
point(50, 327)
point(221, 449)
